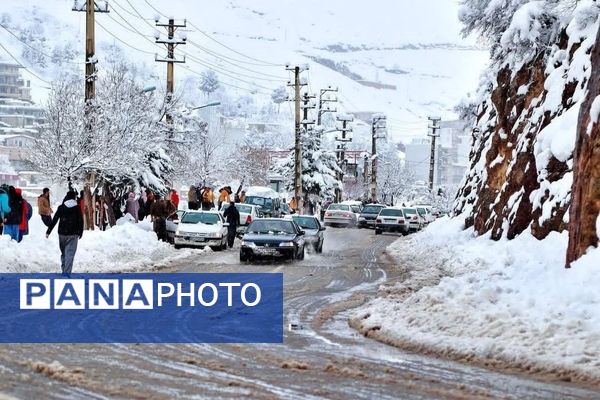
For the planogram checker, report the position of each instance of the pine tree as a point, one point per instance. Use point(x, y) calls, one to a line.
point(319, 168)
point(209, 82)
point(278, 96)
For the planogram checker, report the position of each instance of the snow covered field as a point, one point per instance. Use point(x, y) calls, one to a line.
point(125, 248)
point(510, 303)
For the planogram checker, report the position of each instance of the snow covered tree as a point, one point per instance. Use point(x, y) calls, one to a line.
point(209, 82)
point(319, 168)
point(279, 96)
point(119, 136)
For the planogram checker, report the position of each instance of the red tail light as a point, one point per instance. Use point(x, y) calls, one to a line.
point(248, 219)
point(328, 214)
point(415, 218)
point(347, 215)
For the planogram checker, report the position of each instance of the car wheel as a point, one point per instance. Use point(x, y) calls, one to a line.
point(243, 258)
point(320, 248)
point(377, 231)
point(224, 245)
point(177, 247)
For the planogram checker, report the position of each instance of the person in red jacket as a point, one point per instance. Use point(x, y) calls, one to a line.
point(175, 198)
point(26, 213)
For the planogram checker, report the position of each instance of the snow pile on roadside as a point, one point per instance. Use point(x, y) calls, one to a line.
point(510, 302)
point(127, 247)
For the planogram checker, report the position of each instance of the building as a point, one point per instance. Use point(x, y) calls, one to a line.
point(20, 117)
point(451, 155)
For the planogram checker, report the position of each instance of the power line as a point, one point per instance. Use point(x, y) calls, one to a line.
point(217, 41)
point(122, 41)
point(23, 66)
point(227, 84)
point(212, 53)
point(205, 64)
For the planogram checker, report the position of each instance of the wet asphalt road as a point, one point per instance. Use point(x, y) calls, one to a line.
point(325, 358)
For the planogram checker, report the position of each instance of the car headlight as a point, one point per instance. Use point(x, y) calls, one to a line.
point(248, 244)
point(214, 235)
point(286, 244)
point(361, 218)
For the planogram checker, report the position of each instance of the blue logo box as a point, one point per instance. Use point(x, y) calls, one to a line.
point(141, 308)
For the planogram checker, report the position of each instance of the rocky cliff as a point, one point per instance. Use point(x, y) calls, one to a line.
point(521, 171)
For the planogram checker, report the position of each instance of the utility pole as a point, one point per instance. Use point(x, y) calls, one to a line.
point(323, 101)
point(378, 123)
point(90, 8)
point(434, 127)
point(297, 85)
point(307, 105)
point(170, 43)
point(341, 149)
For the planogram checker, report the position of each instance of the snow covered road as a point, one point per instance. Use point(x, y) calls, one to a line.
point(325, 358)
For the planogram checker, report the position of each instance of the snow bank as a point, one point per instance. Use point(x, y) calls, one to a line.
point(508, 301)
point(126, 247)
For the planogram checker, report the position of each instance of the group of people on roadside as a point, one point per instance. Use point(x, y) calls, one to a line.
point(15, 213)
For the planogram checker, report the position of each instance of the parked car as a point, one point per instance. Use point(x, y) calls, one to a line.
point(340, 215)
point(248, 213)
point(369, 213)
point(426, 213)
point(273, 237)
point(172, 223)
point(391, 220)
point(266, 198)
point(201, 229)
point(313, 230)
point(415, 220)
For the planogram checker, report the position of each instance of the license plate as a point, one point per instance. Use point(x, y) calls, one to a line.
point(195, 239)
point(266, 251)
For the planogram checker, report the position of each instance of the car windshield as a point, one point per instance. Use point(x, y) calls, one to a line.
point(203, 218)
point(355, 209)
point(371, 210)
point(390, 212)
point(270, 227)
point(422, 211)
point(306, 222)
point(259, 201)
point(338, 207)
point(410, 211)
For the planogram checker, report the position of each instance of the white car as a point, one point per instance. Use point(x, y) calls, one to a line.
point(248, 213)
point(172, 223)
point(415, 220)
point(425, 212)
point(201, 229)
point(340, 215)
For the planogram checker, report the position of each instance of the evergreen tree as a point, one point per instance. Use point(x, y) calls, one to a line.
point(319, 168)
point(209, 82)
point(279, 96)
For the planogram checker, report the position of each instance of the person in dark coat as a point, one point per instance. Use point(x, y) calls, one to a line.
point(232, 217)
point(14, 217)
point(70, 230)
point(161, 210)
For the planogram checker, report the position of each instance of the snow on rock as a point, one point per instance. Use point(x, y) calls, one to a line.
point(507, 301)
point(125, 248)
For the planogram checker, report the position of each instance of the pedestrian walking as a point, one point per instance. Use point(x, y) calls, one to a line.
point(192, 198)
point(44, 208)
point(150, 199)
point(232, 217)
point(70, 229)
point(13, 218)
point(132, 207)
point(161, 210)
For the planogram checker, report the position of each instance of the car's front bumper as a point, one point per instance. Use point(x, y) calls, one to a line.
point(197, 241)
point(259, 252)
